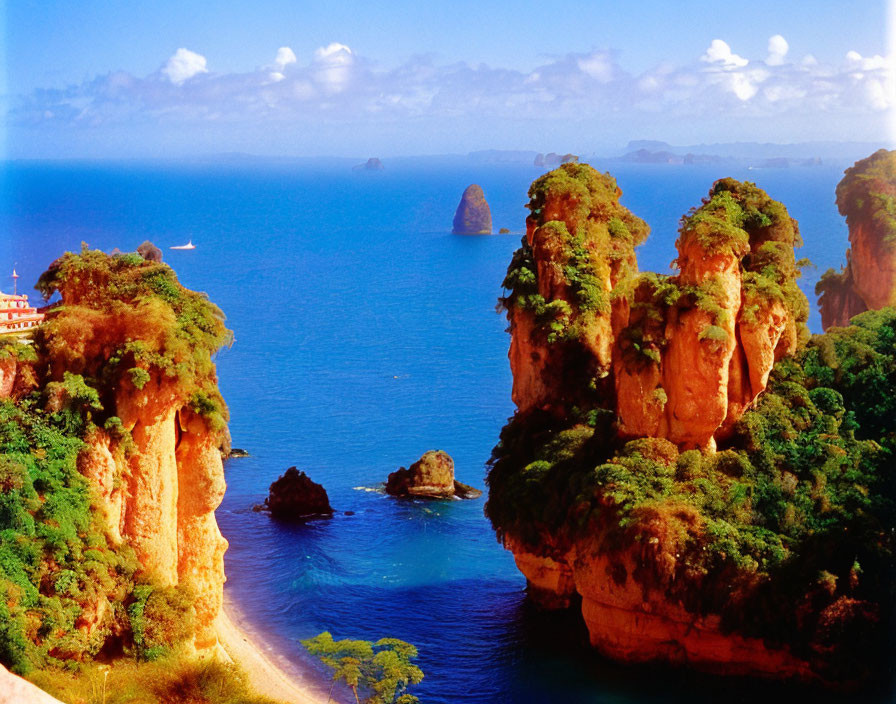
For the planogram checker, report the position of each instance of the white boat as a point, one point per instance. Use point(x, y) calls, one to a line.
point(188, 245)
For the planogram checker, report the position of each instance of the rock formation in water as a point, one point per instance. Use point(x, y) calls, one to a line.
point(866, 197)
point(372, 164)
point(128, 401)
point(294, 497)
point(553, 159)
point(432, 477)
point(669, 465)
point(677, 357)
point(473, 216)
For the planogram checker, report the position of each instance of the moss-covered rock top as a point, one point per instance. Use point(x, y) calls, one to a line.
point(125, 320)
point(584, 195)
point(867, 194)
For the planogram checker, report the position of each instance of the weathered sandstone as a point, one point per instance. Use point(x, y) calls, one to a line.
point(868, 281)
point(432, 477)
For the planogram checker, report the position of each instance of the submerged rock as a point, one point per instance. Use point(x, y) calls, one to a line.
point(473, 216)
point(294, 496)
point(432, 476)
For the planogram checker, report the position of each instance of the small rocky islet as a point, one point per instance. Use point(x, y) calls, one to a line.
point(296, 497)
point(430, 477)
point(473, 215)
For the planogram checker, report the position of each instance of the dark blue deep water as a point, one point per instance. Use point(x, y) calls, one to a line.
point(366, 334)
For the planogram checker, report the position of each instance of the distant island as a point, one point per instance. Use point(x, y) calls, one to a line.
point(745, 154)
point(372, 164)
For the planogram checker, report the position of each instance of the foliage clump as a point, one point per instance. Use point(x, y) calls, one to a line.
point(126, 321)
point(381, 671)
point(68, 588)
point(867, 194)
point(788, 529)
point(55, 559)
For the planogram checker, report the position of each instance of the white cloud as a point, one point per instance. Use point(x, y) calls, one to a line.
point(333, 53)
point(183, 65)
point(588, 86)
point(285, 56)
point(720, 53)
point(333, 65)
point(598, 65)
point(777, 50)
point(870, 63)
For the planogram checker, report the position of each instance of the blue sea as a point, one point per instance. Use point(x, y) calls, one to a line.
point(365, 335)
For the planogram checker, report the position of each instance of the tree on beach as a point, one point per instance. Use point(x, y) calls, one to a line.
point(383, 669)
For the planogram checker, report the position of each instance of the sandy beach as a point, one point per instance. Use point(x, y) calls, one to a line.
point(267, 677)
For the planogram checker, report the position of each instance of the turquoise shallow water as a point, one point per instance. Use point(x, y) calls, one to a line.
point(366, 334)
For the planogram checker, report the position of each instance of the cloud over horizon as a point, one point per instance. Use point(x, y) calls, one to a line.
point(336, 86)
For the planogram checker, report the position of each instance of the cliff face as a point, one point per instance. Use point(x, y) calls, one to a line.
point(625, 479)
point(631, 621)
point(160, 499)
point(127, 358)
point(677, 357)
point(868, 281)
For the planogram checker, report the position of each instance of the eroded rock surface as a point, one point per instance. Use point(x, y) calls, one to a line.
point(868, 281)
point(678, 357)
point(473, 215)
point(432, 476)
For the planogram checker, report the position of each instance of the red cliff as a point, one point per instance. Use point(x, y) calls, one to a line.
point(865, 197)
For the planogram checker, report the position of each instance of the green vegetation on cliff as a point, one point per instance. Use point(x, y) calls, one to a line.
point(153, 325)
point(68, 588)
point(788, 529)
point(55, 559)
point(867, 194)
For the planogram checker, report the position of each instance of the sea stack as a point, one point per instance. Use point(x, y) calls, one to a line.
point(868, 281)
point(473, 216)
point(432, 476)
point(294, 496)
point(624, 381)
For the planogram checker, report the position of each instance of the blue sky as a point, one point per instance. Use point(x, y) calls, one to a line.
point(118, 78)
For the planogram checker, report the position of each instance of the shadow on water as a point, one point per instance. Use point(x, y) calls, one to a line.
point(480, 640)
